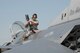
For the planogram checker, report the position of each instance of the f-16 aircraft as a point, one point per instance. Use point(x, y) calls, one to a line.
point(62, 36)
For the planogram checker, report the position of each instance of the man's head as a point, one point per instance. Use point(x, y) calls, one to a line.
point(34, 16)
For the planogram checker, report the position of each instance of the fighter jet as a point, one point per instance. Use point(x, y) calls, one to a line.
point(62, 36)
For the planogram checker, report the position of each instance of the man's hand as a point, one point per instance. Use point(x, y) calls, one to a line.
point(32, 23)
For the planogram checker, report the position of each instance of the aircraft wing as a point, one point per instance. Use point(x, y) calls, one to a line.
point(40, 46)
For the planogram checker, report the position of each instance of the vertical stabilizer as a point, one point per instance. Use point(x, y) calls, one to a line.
point(75, 3)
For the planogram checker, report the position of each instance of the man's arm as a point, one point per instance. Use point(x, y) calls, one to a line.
point(34, 23)
point(27, 24)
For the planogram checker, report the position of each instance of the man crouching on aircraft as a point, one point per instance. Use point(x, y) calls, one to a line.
point(32, 24)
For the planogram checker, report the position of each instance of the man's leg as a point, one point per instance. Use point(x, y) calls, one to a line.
point(27, 35)
point(33, 31)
